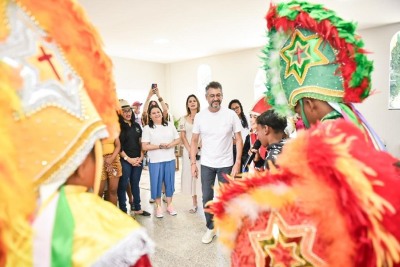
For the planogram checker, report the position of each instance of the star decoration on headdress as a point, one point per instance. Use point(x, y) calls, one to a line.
point(283, 245)
point(284, 253)
point(301, 54)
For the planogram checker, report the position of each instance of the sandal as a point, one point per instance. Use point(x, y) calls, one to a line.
point(193, 209)
point(143, 213)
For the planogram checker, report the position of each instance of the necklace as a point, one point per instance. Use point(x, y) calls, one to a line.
point(191, 118)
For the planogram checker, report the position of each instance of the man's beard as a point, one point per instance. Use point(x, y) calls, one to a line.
point(218, 104)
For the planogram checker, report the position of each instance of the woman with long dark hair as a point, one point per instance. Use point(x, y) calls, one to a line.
point(159, 140)
point(190, 185)
point(236, 106)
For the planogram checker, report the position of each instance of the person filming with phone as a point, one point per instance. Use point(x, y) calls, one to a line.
point(154, 91)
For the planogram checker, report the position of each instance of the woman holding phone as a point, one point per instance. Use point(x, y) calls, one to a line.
point(151, 102)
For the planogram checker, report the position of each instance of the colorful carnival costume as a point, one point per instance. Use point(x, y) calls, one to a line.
point(57, 100)
point(334, 199)
point(312, 53)
point(328, 204)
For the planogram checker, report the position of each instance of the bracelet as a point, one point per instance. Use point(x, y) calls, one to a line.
point(159, 146)
point(160, 99)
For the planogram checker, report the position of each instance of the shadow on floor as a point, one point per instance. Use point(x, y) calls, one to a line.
point(178, 238)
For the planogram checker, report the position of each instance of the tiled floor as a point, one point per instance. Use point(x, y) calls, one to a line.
point(178, 238)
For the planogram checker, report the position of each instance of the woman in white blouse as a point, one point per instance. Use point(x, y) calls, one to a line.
point(190, 185)
point(159, 140)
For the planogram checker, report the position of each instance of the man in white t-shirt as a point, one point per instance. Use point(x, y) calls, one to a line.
point(215, 125)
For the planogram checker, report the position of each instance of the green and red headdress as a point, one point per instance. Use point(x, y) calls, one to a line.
point(313, 53)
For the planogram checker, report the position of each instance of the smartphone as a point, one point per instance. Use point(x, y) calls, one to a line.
point(153, 86)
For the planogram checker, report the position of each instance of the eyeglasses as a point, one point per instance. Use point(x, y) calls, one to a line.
point(127, 110)
point(217, 96)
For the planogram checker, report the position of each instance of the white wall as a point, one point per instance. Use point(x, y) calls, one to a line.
point(375, 109)
point(133, 78)
point(235, 71)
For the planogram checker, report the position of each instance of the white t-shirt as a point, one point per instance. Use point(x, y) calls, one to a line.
point(216, 131)
point(138, 119)
point(160, 135)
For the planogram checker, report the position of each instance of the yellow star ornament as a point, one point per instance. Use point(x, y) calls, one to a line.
point(301, 54)
point(283, 245)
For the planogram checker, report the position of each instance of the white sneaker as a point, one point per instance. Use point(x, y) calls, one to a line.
point(208, 236)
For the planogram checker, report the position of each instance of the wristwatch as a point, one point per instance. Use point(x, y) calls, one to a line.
point(126, 158)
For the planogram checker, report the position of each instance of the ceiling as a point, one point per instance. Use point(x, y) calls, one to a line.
point(167, 31)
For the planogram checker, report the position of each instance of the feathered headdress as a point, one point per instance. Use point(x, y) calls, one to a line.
point(331, 206)
point(313, 53)
point(57, 97)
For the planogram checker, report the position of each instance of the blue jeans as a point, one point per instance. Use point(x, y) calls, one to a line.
point(132, 175)
point(207, 187)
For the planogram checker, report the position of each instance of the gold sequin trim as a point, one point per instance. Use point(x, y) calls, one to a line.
point(315, 90)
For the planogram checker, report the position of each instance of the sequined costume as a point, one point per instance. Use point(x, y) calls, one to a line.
point(334, 200)
point(312, 53)
point(57, 100)
point(328, 204)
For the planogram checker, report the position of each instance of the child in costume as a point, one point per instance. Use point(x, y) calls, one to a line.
point(328, 204)
point(57, 102)
point(315, 64)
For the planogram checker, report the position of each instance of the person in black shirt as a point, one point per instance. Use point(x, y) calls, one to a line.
point(271, 133)
point(236, 106)
point(131, 159)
